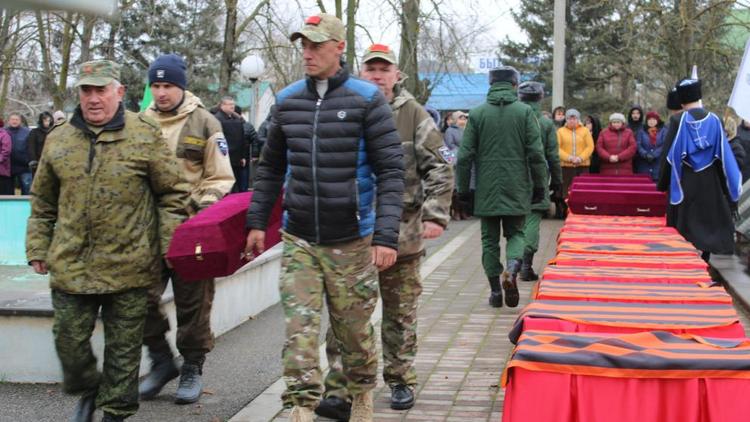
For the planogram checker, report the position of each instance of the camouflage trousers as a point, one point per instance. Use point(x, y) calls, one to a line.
point(531, 232)
point(343, 276)
point(400, 287)
point(193, 301)
point(123, 315)
point(511, 227)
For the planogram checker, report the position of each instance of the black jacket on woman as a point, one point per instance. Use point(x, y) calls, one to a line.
point(35, 141)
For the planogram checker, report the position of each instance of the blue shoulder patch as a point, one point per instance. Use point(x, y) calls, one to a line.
point(364, 88)
point(294, 88)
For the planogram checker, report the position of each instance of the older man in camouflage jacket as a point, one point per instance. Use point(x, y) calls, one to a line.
point(428, 185)
point(106, 199)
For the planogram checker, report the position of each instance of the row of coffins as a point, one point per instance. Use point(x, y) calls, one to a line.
point(626, 325)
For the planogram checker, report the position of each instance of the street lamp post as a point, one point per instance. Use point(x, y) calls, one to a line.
point(251, 68)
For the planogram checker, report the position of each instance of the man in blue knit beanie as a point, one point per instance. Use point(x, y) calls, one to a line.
point(198, 141)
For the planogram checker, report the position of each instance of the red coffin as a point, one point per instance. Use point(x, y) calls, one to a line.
point(210, 244)
point(617, 202)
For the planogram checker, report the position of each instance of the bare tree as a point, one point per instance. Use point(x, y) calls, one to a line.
point(232, 33)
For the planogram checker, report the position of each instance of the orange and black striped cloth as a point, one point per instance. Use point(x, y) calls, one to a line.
point(626, 274)
point(631, 237)
point(624, 247)
point(577, 259)
point(606, 291)
point(655, 354)
point(648, 316)
point(614, 220)
point(616, 229)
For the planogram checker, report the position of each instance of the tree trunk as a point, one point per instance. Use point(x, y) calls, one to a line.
point(48, 76)
point(340, 9)
point(408, 64)
point(351, 12)
point(6, 53)
point(114, 26)
point(58, 96)
point(88, 31)
point(227, 53)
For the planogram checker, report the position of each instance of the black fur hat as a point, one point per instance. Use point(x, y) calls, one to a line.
point(504, 74)
point(531, 91)
point(689, 90)
point(673, 100)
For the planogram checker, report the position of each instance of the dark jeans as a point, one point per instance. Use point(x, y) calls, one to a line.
point(241, 176)
point(6, 185)
point(23, 180)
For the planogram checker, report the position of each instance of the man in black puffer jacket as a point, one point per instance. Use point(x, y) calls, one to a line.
point(332, 143)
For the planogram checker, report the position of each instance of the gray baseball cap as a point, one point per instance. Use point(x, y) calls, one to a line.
point(321, 28)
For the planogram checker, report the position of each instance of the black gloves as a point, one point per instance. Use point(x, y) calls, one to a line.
point(537, 196)
point(557, 193)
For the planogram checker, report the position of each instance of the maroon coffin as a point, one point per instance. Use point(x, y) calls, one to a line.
point(577, 185)
point(597, 178)
point(617, 202)
point(210, 244)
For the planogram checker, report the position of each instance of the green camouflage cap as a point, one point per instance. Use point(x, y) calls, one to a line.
point(381, 52)
point(98, 73)
point(321, 28)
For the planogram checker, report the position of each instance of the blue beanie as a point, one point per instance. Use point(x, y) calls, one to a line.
point(169, 68)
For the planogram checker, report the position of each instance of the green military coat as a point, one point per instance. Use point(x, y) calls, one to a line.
point(551, 154)
point(502, 139)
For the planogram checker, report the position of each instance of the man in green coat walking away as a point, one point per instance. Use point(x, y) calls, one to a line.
point(531, 93)
point(502, 139)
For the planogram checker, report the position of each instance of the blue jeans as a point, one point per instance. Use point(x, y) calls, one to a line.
point(24, 180)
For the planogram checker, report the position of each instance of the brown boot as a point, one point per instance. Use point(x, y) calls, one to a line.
point(362, 408)
point(301, 414)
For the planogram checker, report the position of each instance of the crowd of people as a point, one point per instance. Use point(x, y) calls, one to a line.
point(631, 143)
point(21, 146)
point(366, 176)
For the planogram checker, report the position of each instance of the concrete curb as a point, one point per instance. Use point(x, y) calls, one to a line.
point(267, 405)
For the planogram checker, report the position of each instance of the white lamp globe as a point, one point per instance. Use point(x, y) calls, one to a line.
point(252, 67)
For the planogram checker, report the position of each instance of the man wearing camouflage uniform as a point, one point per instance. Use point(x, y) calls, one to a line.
point(197, 139)
point(333, 144)
point(502, 140)
point(106, 199)
point(531, 93)
point(428, 186)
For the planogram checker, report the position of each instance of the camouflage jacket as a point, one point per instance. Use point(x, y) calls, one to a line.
point(428, 178)
point(197, 138)
point(104, 207)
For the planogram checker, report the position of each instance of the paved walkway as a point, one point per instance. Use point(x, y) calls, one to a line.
point(463, 342)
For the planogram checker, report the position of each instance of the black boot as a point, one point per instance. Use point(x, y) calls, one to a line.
point(509, 283)
point(163, 370)
point(527, 271)
point(496, 295)
point(108, 417)
point(191, 384)
point(84, 411)
point(334, 408)
point(402, 397)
